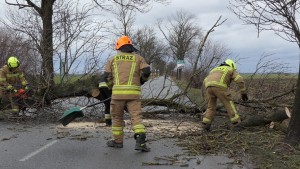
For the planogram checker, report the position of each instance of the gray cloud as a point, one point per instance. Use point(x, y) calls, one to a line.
point(240, 38)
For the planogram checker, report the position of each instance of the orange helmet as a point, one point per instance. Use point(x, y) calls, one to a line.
point(124, 40)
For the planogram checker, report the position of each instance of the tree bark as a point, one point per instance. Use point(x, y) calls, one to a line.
point(293, 133)
point(46, 13)
point(261, 120)
point(81, 87)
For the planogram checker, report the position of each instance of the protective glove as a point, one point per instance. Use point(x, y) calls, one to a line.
point(244, 97)
point(26, 88)
point(103, 88)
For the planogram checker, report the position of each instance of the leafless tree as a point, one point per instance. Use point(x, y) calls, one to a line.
point(269, 74)
point(124, 11)
point(79, 40)
point(14, 44)
point(200, 48)
point(213, 54)
point(182, 32)
point(45, 13)
point(135, 5)
point(148, 44)
point(281, 18)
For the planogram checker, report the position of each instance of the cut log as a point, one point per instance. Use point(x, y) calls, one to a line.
point(284, 124)
point(278, 126)
point(288, 113)
point(264, 119)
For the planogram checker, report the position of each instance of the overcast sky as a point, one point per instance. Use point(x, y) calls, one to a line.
point(241, 39)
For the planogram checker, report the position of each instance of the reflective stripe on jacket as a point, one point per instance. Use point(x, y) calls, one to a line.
point(126, 69)
point(8, 77)
point(222, 76)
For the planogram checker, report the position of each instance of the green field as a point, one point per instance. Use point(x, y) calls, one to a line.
point(271, 75)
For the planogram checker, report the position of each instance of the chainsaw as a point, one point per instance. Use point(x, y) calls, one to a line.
point(22, 94)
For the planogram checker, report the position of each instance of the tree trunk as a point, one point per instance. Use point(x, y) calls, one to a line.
point(293, 132)
point(261, 120)
point(47, 44)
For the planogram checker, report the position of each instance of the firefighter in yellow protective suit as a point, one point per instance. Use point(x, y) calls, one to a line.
point(10, 78)
point(216, 87)
point(128, 71)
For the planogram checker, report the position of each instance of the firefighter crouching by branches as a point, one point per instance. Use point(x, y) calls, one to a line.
point(216, 87)
point(10, 78)
point(128, 71)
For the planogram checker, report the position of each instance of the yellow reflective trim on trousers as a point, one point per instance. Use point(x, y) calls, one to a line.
point(107, 116)
point(126, 92)
point(139, 128)
point(233, 107)
point(243, 89)
point(116, 74)
point(2, 79)
point(206, 120)
point(117, 131)
point(236, 116)
point(131, 73)
point(11, 110)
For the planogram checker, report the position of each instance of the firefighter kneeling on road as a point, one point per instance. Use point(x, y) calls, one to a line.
point(128, 71)
point(10, 77)
point(216, 85)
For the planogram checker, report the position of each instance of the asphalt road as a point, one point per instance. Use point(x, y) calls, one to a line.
point(83, 146)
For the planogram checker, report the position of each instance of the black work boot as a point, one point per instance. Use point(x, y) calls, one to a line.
point(236, 126)
point(112, 143)
point(205, 127)
point(108, 122)
point(141, 143)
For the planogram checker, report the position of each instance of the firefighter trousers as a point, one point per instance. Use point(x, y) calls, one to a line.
point(14, 107)
point(224, 95)
point(117, 114)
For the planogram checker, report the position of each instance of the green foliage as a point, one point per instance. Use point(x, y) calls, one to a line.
point(271, 75)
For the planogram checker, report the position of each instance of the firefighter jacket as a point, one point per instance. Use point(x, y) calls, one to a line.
point(126, 70)
point(11, 78)
point(222, 76)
